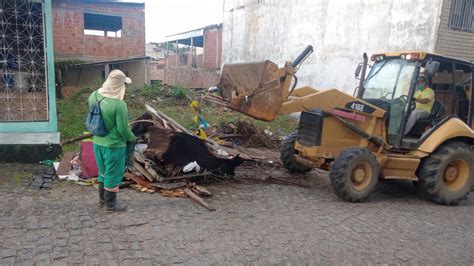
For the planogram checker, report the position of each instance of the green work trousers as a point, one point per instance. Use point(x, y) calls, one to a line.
point(111, 164)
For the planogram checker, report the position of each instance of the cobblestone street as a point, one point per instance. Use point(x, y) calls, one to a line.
point(255, 222)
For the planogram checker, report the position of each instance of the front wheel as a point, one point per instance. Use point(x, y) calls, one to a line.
point(287, 155)
point(354, 174)
point(446, 175)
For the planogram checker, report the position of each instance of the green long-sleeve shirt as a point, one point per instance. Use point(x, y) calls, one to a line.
point(115, 115)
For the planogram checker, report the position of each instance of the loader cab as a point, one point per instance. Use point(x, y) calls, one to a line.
point(391, 84)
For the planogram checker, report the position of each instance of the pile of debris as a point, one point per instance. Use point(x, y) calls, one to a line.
point(170, 159)
point(246, 134)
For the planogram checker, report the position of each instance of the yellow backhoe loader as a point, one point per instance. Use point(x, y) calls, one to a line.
point(360, 138)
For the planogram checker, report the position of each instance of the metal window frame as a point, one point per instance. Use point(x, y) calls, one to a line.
point(45, 57)
point(464, 21)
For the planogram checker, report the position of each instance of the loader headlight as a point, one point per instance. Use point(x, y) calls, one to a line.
point(410, 56)
point(377, 57)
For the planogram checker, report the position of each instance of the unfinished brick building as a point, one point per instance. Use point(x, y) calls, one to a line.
point(100, 35)
point(193, 58)
point(98, 30)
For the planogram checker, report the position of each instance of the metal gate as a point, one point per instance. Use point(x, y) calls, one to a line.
point(23, 89)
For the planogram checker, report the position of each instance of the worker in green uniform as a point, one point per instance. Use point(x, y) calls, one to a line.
point(110, 150)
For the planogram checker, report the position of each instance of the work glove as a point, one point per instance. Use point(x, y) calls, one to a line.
point(129, 154)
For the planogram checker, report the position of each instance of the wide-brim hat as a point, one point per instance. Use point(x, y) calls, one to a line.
point(114, 86)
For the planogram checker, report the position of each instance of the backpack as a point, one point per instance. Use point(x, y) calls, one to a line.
point(94, 122)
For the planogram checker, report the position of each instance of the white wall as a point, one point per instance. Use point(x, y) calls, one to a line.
point(339, 30)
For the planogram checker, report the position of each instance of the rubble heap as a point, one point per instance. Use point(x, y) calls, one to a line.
point(170, 159)
point(246, 134)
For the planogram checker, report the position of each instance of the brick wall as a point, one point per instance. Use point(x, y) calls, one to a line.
point(185, 60)
point(71, 43)
point(451, 42)
point(190, 77)
point(157, 71)
point(213, 47)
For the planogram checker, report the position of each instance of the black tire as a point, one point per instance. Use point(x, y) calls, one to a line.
point(439, 182)
point(287, 152)
point(345, 172)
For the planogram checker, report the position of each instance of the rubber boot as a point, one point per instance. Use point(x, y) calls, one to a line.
point(101, 195)
point(111, 204)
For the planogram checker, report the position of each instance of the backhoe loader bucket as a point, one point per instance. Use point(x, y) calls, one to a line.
point(252, 89)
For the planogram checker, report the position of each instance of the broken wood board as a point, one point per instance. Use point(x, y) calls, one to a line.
point(174, 193)
point(152, 171)
point(65, 164)
point(142, 171)
point(200, 191)
point(138, 180)
point(141, 188)
point(75, 139)
point(169, 186)
point(198, 199)
point(188, 176)
point(161, 116)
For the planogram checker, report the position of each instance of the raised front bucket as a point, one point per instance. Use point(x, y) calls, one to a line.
point(252, 89)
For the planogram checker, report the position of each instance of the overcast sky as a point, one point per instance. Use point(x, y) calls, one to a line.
point(167, 17)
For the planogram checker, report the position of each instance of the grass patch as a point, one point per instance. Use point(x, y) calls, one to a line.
point(72, 113)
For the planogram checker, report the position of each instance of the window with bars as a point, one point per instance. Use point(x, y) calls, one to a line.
point(461, 15)
point(23, 84)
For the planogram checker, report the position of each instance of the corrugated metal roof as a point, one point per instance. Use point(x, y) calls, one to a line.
point(131, 2)
point(196, 35)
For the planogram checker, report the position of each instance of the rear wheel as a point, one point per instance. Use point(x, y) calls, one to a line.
point(354, 174)
point(446, 175)
point(287, 152)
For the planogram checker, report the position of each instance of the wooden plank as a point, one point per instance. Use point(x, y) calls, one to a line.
point(169, 185)
point(173, 192)
point(75, 139)
point(65, 164)
point(168, 119)
point(139, 157)
point(198, 199)
point(143, 171)
point(141, 188)
point(172, 178)
point(154, 122)
point(138, 180)
point(152, 171)
point(202, 191)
